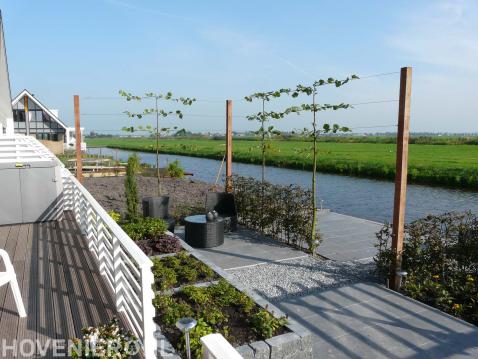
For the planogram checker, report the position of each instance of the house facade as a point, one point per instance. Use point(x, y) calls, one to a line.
point(32, 118)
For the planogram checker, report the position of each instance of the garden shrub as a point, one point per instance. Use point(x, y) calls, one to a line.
point(131, 188)
point(172, 271)
point(196, 294)
point(163, 245)
point(115, 216)
point(145, 228)
point(440, 254)
point(195, 335)
point(188, 273)
point(167, 244)
point(175, 311)
point(165, 277)
point(265, 324)
point(105, 341)
point(281, 212)
point(175, 170)
point(213, 307)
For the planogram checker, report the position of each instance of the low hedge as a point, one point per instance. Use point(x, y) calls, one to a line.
point(440, 254)
point(282, 212)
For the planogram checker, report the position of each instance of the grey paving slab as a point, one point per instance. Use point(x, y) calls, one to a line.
point(245, 248)
point(357, 319)
point(347, 238)
point(366, 320)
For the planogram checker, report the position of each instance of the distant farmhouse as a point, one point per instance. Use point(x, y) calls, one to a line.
point(32, 118)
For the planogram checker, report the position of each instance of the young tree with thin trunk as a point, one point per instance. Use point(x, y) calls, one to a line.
point(266, 133)
point(158, 112)
point(313, 134)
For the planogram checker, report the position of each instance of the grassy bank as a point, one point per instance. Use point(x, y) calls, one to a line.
point(446, 165)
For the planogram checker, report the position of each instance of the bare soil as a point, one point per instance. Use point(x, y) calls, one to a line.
point(183, 192)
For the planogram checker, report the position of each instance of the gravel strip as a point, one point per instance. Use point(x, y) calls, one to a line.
point(297, 277)
point(109, 191)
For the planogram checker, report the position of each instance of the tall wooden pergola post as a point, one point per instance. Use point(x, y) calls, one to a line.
point(79, 163)
point(27, 116)
point(403, 135)
point(228, 146)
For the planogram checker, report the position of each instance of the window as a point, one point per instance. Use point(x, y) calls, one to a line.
point(40, 124)
point(18, 115)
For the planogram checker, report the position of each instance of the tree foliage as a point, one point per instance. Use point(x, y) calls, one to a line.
point(313, 133)
point(158, 112)
point(265, 132)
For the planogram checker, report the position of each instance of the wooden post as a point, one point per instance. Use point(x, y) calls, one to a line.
point(27, 119)
point(228, 146)
point(79, 164)
point(401, 174)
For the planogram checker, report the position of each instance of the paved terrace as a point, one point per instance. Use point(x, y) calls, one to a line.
point(347, 238)
point(349, 315)
point(62, 289)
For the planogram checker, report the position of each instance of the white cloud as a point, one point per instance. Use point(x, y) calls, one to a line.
point(445, 34)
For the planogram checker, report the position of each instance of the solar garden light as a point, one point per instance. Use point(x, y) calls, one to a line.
point(402, 275)
point(185, 325)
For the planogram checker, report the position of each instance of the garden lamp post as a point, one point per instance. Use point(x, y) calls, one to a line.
point(401, 274)
point(185, 325)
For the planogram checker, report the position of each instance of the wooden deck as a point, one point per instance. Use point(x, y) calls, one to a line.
point(61, 286)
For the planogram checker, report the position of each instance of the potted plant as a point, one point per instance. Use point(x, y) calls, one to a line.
point(105, 341)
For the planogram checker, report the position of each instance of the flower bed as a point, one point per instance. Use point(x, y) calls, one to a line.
point(180, 269)
point(190, 285)
point(218, 308)
point(150, 234)
point(255, 327)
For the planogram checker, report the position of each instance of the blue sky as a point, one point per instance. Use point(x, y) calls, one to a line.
point(214, 50)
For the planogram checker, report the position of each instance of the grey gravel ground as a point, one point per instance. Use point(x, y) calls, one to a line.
point(109, 191)
point(297, 277)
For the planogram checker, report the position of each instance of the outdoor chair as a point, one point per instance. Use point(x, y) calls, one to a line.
point(225, 205)
point(9, 276)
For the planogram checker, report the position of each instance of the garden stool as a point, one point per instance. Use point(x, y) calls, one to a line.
point(201, 233)
point(9, 276)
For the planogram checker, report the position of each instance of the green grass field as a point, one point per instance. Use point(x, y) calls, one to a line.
point(446, 165)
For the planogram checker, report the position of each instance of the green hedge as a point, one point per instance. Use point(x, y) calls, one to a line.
point(281, 212)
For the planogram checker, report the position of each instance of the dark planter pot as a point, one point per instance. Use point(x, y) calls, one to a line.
point(156, 207)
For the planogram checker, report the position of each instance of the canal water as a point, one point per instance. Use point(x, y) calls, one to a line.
point(358, 197)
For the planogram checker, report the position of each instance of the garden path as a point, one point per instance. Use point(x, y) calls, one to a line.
point(347, 238)
point(349, 314)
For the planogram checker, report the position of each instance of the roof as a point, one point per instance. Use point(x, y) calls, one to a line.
point(39, 104)
point(5, 105)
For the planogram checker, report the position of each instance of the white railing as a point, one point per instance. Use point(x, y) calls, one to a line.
point(124, 266)
point(21, 148)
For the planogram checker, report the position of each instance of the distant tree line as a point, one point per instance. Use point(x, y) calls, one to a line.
point(415, 138)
